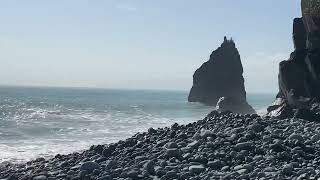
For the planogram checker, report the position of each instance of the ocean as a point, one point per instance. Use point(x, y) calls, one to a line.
point(41, 122)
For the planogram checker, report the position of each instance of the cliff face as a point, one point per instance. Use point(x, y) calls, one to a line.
point(299, 80)
point(219, 77)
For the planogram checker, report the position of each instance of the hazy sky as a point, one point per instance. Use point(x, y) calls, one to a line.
point(141, 44)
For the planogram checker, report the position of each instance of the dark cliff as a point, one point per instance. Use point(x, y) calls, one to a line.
point(299, 82)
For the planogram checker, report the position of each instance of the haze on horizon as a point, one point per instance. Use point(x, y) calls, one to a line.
point(140, 44)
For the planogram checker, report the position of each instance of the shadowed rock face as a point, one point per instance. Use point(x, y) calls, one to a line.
point(299, 76)
point(310, 7)
point(221, 76)
point(299, 34)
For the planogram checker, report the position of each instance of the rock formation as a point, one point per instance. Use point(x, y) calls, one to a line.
point(299, 76)
point(219, 77)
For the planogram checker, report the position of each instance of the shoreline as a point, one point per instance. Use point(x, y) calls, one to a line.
point(221, 146)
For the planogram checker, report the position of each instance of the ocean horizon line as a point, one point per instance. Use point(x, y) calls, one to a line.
point(116, 88)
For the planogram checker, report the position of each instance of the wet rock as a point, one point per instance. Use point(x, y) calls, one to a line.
point(244, 146)
point(216, 165)
point(234, 105)
point(295, 137)
point(105, 178)
point(40, 177)
point(89, 166)
point(133, 174)
point(187, 156)
point(170, 175)
point(193, 145)
point(110, 164)
point(277, 147)
point(287, 170)
point(315, 138)
point(173, 152)
point(197, 169)
point(248, 167)
point(207, 133)
point(257, 127)
point(172, 145)
point(242, 171)
point(149, 167)
point(160, 172)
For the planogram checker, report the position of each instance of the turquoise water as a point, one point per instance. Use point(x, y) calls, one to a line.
point(46, 121)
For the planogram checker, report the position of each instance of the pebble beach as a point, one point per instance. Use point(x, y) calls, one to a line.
point(221, 146)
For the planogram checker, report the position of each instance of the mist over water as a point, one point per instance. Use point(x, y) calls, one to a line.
point(46, 121)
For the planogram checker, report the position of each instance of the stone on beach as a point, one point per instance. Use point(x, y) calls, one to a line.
point(89, 166)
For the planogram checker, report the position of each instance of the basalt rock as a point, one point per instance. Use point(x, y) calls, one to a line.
point(221, 76)
point(299, 76)
point(233, 105)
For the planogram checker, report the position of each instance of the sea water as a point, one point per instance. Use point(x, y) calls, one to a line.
point(41, 122)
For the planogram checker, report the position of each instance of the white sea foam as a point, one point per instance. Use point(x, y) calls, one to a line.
point(42, 123)
point(262, 111)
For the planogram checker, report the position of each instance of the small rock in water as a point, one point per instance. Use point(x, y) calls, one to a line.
point(151, 130)
point(40, 159)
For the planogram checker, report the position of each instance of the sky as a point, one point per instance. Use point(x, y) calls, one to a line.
point(140, 44)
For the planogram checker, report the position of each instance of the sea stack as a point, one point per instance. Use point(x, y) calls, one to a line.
point(219, 81)
point(299, 76)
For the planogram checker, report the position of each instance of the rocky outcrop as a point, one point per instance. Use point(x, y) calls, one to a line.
point(219, 77)
point(234, 105)
point(299, 76)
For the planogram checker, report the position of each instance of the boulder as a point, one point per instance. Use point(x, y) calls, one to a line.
point(89, 166)
point(220, 76)
point(234, 105)
point(280, 109)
